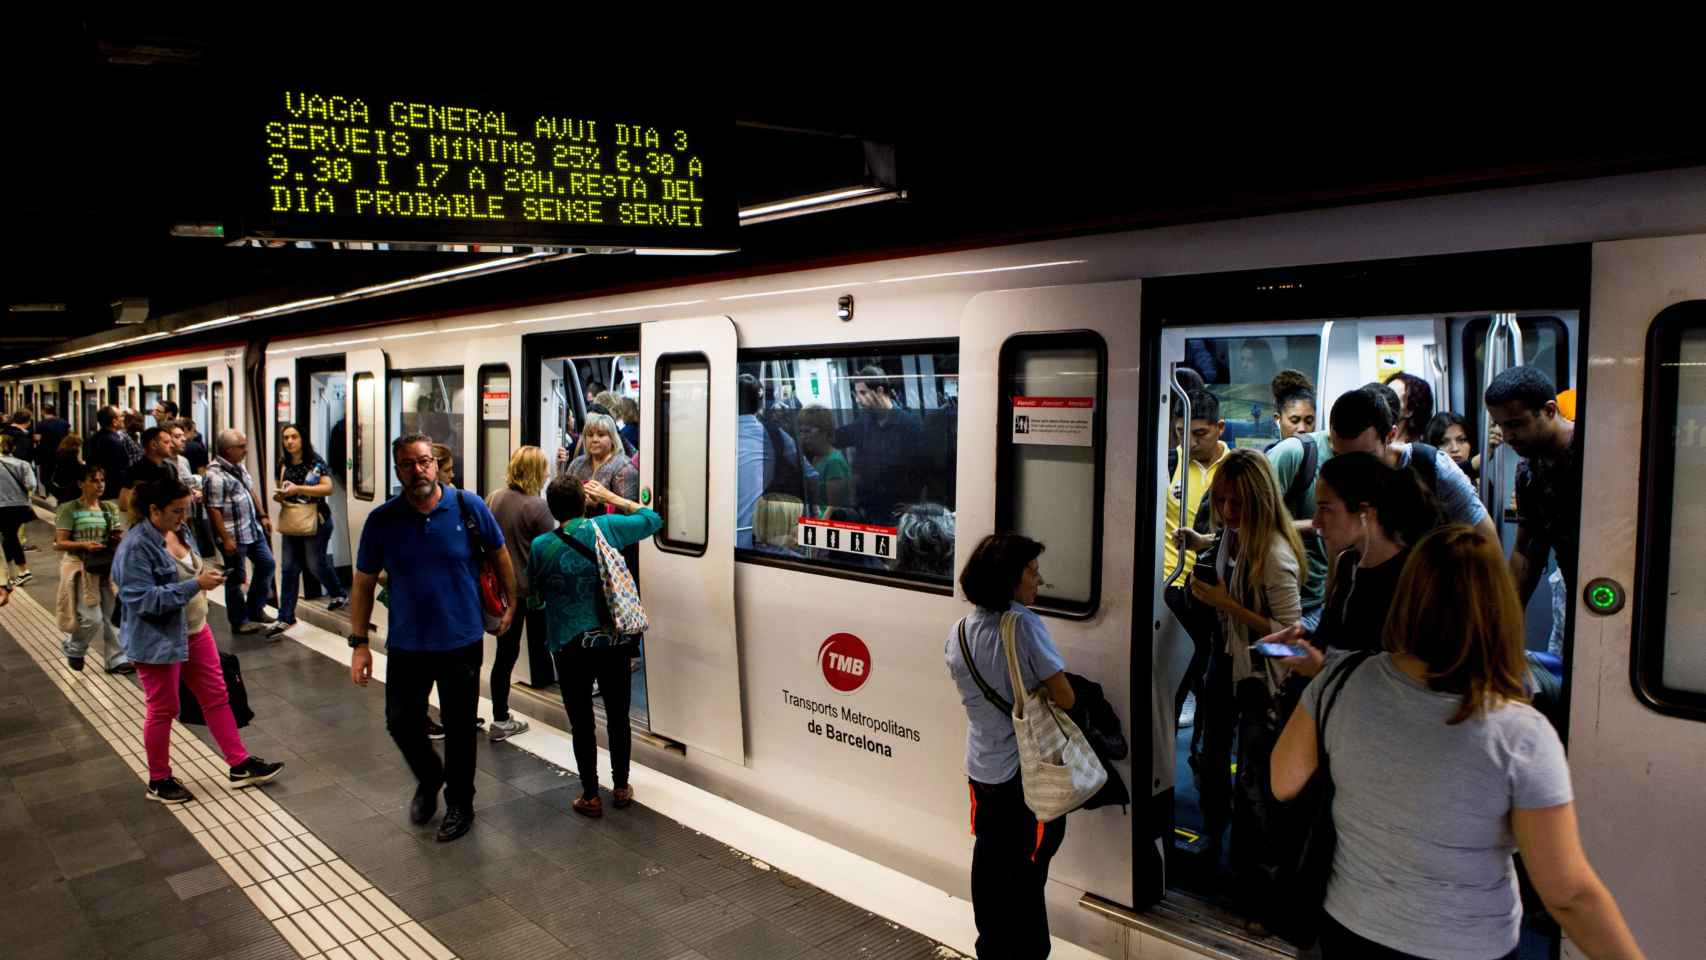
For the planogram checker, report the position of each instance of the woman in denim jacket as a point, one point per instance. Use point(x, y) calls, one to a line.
point(162, 585)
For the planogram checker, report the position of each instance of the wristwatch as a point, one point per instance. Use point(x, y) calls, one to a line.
point(357, 640)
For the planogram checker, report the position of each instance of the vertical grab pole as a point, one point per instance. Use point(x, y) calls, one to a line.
point(1496, 362)
point(1178, 389)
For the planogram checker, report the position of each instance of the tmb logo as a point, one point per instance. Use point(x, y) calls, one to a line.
point(845, 661)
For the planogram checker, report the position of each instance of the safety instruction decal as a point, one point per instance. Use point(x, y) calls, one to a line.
point(1054, 421)
point(864, 539)
point(1388, 355)
point(494, 399)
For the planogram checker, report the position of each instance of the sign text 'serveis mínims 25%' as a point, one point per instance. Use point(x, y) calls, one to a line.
point(338, 165)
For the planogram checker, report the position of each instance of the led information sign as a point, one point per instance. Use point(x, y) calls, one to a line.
point(350, 163)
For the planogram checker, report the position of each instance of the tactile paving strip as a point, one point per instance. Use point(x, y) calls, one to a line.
point(321, 905)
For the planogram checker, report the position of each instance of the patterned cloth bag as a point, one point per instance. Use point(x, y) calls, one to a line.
point(621, 595)
point(1057, 768)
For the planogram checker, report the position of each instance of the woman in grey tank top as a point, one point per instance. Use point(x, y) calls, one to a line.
point(1441, 770)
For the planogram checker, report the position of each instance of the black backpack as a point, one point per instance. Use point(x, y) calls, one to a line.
point(1304, 481)
point(1424, 463)
point(788, 475)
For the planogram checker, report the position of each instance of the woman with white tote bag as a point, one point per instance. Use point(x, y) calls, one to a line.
point(1010, 859)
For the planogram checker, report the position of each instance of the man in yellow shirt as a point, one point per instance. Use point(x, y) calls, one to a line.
point(1207, 451)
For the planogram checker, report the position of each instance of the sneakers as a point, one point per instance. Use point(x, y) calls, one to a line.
point(168, 791)
point(20, 579)
point(501, 730)
point(275, 633)
point(338, 603)
point(253, 626)
point(435, 731)
point(458, 819)
point(125, 668)
point(595, 690)
point(266, 618)
point(253, 771)
point(76, 663)
point(1188, 715)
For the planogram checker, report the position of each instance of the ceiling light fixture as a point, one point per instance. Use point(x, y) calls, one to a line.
point(818, 203)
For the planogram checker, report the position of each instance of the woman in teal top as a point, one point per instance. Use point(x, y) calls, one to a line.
point(562, 573)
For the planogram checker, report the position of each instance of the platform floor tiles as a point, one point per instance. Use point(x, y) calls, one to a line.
point(323, 862)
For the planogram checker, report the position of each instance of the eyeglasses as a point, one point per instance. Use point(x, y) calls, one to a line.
point(420, 464)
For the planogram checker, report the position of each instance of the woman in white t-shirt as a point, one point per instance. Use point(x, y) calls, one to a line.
point(1441, 770)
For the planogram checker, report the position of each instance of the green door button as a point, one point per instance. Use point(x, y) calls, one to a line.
point(1604, 596)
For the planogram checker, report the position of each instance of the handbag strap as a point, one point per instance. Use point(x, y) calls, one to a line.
point(1010, 640)
point(476, 542)
point(585, 551)
point(1335, 684)
point(1001, 703)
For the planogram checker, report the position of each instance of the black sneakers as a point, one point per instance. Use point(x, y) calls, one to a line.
point(458, 820)
point(252, 771)
point(424, 805)
point(168, 791)
point(435, 730)
point(76, 663)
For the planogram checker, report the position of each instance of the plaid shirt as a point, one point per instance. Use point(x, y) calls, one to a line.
point(228, 492)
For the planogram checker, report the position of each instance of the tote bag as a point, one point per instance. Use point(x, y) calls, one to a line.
point(621, 595)
point(189, 709)
point(1057, 768)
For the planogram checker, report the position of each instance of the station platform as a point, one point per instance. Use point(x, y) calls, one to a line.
point(323, 862)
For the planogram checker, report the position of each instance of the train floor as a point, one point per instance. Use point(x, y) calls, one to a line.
point(323, 862)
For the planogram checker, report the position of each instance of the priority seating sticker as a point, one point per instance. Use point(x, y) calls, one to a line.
point(845, 661)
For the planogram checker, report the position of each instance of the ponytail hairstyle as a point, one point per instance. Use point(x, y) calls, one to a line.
point(1456, 610)
point(1263, 517)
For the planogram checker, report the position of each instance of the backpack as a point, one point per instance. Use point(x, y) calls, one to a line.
point(787, 476)
point(1424, 464)
point(1304, 480)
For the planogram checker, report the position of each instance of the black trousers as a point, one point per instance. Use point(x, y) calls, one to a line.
point(1217, 718)
point(577, 667)
point(509, 650)
point(1337, 943)
point(13, 519)
point(409, 677)
point(1009, 867)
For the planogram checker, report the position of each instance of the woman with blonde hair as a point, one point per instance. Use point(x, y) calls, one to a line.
point(1255, 587)
point(599, 457)
point(522, 515)
point(1440, 771)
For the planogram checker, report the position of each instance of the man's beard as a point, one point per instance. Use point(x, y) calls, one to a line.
point(422, 489)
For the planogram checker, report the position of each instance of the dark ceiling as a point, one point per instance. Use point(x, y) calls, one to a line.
point(112, 144)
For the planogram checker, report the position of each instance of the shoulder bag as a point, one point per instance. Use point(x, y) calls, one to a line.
point(493, 604)
point(621, 595)
point(298, 519)
point(1303, 869)
point(1057, 768)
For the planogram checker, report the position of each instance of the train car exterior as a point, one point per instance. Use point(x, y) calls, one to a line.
point(739, 665)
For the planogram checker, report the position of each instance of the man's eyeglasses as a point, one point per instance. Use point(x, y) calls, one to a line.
point(419, 465)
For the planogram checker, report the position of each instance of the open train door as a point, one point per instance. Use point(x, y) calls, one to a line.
point(366, 460)
point(687, 571)
point(1056, 428)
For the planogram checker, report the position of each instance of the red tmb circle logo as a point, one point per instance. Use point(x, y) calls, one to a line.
point(845, 661)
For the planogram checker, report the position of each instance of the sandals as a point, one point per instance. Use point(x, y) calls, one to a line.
point(624, 797)
point(589, 807)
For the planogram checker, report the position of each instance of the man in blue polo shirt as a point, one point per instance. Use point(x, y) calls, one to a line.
point(418, 538)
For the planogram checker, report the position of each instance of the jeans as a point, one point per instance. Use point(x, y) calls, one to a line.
point(577, 667)
point(311, 554)
point(1009, 868)
point(509, 650)
point(95, 621)
point(409, 677)
point(207, 681)
point(237, 610)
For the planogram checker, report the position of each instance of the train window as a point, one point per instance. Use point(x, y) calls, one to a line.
point(494, 425)
point(1545, 344)
point(172, 392)
point(130, 397)
point(1049, 467)
point(1239, 371)
point(218, 408)
point(281, 416)
point(429, 402)
point(366, 400)
point(683, 451)
point(1670, 642)
point(845, 459)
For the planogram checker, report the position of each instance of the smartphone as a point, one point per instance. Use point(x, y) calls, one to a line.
point(1277, 650)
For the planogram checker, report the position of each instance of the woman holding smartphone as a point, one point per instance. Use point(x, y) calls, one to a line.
point(1257, 591)
point(1369, 514)
point(162, 585)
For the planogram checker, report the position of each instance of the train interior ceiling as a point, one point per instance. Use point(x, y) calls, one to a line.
point(809, 386)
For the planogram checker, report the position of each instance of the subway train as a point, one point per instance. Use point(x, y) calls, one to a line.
point(795, 659)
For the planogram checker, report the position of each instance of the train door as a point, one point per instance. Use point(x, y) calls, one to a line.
point(1048, 429)
point(566, 371)
point(133, 396)
point(1638, 704)
point(152, 394)
point(1355, 324)
point(687, 473)
point(322, 406)
point(365, 419)
point(192, 386)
